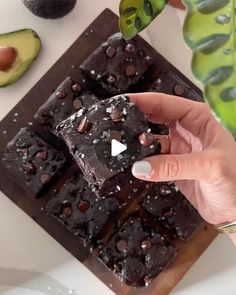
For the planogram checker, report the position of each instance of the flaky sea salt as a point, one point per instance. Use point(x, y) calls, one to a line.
point(118, 187)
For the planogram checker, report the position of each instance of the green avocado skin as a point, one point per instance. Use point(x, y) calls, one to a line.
point(50, 8)
point(26, 54)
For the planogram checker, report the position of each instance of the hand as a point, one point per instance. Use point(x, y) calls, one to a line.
point(201, 159)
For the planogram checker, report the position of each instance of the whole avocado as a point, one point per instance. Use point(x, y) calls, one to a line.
point(50, 8)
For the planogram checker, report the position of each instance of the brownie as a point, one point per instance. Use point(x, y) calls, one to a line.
point(78, 208)
point(137, 253)
point(32, 161)
point(117, 65)
point(172, 209)
point(171, 82)
point(67, 99)
point(89, 132)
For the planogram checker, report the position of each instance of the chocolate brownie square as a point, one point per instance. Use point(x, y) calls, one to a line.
point(137, 253)
point(78, 208)
point(117, 65)
point(170, 82)
point(67, 99)
point(172, 209)
point(32, 161)
point(89, 134)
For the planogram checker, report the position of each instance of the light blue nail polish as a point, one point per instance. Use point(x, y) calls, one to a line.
point(142, 168)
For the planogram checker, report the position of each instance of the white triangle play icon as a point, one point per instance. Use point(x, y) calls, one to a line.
point(117, 148)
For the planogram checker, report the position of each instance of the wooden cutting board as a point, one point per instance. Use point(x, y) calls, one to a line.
point(104, 26)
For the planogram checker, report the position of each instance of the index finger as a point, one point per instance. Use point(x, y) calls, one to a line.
point(160, 107)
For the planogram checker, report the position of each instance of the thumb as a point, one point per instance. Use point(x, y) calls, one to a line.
point(170, 167)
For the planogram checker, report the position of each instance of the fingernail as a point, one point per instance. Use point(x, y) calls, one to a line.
point(142, 168)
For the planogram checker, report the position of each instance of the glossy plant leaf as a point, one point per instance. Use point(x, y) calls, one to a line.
point(136, 15)
point(210, 31)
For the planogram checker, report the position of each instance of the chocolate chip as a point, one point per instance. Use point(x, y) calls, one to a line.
point(23, 152)
point(178, 90)
point(77, 103)
point(146, 245)
point(168, 212)
point(164, 190)
point(111, 51)
point(67, 212)
point(129, 48)
point(111, 79)
point(60, 94)
point(76, 87)
point(122, 246)
point(43, 155)
point(116, 114)
point(130, 70)
point(146, 139)
point(29, 168)
point(44, 178)
point(84, 125)
point(84, 206)
point(115, 134)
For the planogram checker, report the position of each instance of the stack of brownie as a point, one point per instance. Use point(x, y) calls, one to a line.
point(125, 220)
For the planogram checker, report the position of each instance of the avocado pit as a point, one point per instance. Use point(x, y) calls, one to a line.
point(7, 57)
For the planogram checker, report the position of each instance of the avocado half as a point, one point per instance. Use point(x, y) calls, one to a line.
point(26, 44)
point(50, 8)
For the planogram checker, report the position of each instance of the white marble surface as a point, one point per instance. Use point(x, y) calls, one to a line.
point(31, 262)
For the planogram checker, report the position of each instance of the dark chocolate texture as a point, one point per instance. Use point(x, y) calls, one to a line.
point(170, 82)
point(117, 65)
point(137, 253)
point(31, 161)
point(165, 202)
point(89, 132)
point(78, 208)
point(67, 99)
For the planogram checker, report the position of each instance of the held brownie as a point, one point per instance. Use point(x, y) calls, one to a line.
point(89, 133)
point(67, 99)
point(117, 65)
point(165, 202)
point(31, 160)
point(78, 208)
point(137, 253)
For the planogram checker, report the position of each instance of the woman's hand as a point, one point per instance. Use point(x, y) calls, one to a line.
point(201, 155)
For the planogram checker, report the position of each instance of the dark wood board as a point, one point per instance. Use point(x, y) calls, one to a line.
point(69, 64)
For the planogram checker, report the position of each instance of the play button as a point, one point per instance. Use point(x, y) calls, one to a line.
point(117, 148)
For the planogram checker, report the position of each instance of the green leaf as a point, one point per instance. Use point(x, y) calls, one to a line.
point(210, 31)
point(136, 15)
